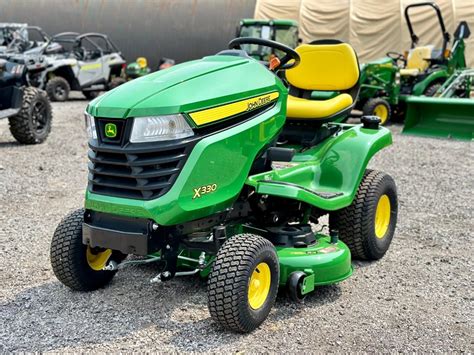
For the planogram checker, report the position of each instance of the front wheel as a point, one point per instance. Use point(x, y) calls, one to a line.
point(243, 284)
point(378, 107)
point(367, 226)
point(76, 265)
point(58, 89)
point(33, 123)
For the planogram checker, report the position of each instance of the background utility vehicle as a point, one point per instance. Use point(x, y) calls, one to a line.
point(386, 83)
point(20, 38)
point(90, 63)
point(224, 180)
point(27, 108)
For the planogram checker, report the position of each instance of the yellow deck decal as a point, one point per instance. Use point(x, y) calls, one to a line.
point(224, 111)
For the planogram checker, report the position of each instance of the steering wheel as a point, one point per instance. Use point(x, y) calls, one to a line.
point(395, 56)
point(290, 54)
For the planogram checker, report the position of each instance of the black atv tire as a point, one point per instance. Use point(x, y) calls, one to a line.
point(116, 82)
point(357, 223)
point(91, 95)
point(58, 89)
point(230, 279)
point(69, 256)
point(432, 89)
point(33, 123)
point(371, 106)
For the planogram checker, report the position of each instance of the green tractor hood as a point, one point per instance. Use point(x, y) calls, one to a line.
point(187, 87)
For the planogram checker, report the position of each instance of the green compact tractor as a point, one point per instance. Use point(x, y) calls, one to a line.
point(282, 31)
point(205, 173)
point(388, 82)
point(27, 108)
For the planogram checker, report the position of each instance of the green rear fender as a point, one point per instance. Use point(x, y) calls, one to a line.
point(437, 76)
point(326, 176)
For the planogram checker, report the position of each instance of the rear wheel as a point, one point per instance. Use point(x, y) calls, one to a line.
point(76, 265)
point(116, 82)
point(432, 89)
point(243, 284)
point(367, 226)
point(90, 95)
point(378, 107)
point(58, 89)
point(33, 123)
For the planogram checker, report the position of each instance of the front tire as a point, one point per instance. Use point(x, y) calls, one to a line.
point(378, 107)
point(367, 226)
point(76, 265)
point(33, 123)
point(243, 283)
point(58, 89)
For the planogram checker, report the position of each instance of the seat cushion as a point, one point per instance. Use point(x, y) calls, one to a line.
point(298, 108)
point(325, 67)
point(409, 72)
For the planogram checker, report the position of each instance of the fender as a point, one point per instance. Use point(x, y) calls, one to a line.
point(326, 176)
point(439, 75)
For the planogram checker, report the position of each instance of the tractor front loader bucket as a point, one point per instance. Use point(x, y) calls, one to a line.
point(440, 117)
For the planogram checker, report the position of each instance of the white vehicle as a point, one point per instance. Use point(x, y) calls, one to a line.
point(90, 63)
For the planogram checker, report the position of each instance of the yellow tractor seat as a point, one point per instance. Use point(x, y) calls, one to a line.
point(325, 66)
point(315, 109)
point(417, 61)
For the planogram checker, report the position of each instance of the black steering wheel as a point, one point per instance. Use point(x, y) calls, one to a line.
point(395, 56)
point(290, 54)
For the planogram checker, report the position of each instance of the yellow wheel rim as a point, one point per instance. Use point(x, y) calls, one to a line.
point(259, 285)
point(382, 216)
point(97, 261)
point(382, 112)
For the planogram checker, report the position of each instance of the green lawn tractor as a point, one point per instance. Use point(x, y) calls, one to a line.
point(137, 68)
point(388, 82)
point(282, 31)
point(208, 174)
point(27, 108)
point(448, 114)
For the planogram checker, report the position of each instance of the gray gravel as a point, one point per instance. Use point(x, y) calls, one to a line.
point(418, 298)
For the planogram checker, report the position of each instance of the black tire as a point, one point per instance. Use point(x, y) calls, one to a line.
point(90, 95)
point(229, 281)
point(372, 105)
point(357, 223)
point(432, 89)
point(116, 82)
point(295, 285)
point(58, 89)
point(33, 123)
point(68, 256)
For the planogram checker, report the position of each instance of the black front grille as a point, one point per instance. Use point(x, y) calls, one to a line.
point(135, 173)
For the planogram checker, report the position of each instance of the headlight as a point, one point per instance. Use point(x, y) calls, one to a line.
point(90, 126)
point(160, 128)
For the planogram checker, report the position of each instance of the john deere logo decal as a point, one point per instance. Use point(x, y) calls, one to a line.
point(110, 130)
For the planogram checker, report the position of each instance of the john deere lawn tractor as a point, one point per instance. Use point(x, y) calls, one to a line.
point(205, 173)
point(388, 82)
point(282, 31)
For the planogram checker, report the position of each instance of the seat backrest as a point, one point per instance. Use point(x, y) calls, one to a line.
point(325, 66)
point(417, 58)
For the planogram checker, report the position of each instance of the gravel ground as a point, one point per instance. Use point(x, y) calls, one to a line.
point(418, 298)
